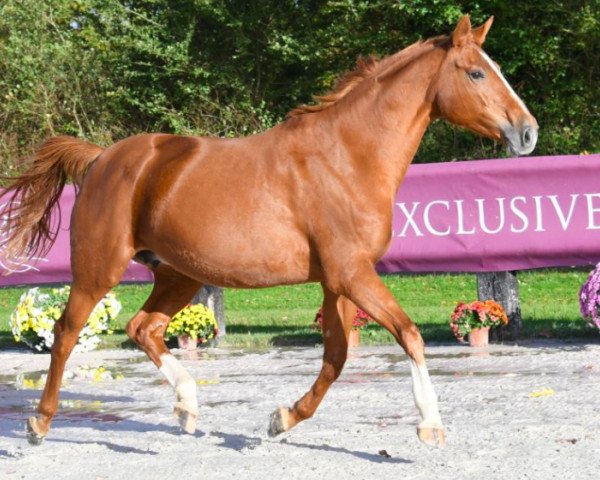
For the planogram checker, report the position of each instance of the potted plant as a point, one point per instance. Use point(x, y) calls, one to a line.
point(32, 321)
point(475, 319)
point(192, 325)
point(361, 318)
point(589, 298)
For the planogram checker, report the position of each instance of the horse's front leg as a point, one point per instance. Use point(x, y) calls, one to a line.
point(362, 285)
point(337, 322)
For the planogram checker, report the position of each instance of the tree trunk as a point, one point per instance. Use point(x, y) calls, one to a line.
point(503, 288)
point(212, 297)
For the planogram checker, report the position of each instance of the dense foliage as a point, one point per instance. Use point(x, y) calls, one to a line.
point(106, 69)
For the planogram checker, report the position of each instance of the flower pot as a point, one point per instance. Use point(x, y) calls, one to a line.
point(479, 337)
point(354, 338)
point(187, 343)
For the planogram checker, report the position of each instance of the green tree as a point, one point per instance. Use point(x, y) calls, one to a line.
point(106, 69)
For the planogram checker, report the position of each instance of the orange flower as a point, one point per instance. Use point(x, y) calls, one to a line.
point(477, 314)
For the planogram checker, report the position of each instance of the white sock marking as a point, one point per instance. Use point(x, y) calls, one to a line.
point(181, 381)
point(425, 397)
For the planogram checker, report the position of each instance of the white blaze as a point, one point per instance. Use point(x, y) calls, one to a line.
point(495, 68)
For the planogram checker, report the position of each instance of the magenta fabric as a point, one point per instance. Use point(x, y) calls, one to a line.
point(485, 215)
point(497, 215)
point(55, 266)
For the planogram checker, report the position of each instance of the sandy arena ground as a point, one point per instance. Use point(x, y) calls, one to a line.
point(512, 412)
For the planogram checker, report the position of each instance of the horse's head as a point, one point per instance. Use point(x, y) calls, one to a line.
point(472, 92)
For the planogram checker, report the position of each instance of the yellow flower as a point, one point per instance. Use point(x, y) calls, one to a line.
point(98, 374)
point(37, 312)
point(196, 321)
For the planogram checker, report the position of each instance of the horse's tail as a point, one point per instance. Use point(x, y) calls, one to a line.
point(26, 218)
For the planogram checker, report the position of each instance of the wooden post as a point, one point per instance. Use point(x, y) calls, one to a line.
point(503, 288)
point(212, 297)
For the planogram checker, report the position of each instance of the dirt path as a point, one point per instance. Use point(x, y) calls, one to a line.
point(512, 412)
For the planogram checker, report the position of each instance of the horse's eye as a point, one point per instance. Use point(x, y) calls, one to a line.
point(477, 75)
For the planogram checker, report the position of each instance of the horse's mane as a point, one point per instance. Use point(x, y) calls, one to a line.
point(368, 67)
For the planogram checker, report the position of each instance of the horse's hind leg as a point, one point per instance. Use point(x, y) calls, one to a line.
point(172, 291)
point(82, 300)
point(338, 313)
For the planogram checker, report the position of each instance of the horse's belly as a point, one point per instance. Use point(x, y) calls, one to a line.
point(243, 262)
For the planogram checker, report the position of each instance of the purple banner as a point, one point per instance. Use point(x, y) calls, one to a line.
point(497, 215)
point(55, 267)
point(492, 215)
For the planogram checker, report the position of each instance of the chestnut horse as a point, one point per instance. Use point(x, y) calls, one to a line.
point(308, 201)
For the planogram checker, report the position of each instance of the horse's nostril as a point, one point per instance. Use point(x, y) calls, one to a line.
point(527, 136)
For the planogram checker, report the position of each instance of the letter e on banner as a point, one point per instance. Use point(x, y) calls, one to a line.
point(592, 211)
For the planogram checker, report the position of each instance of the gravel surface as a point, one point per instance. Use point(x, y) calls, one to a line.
point(530, 411)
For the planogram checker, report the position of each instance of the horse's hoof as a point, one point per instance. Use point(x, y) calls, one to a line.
point(187, 420)
point(432, 436)
point(34, 434)
point(279, 421)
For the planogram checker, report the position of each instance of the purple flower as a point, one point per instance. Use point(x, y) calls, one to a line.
point(589, 298)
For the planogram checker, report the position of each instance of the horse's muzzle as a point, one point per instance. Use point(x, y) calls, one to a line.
point(520, 141)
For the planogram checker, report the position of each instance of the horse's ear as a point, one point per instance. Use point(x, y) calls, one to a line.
point(462, 32)
point(481, 32)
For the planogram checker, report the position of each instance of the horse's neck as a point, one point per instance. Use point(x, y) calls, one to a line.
point(384, 127)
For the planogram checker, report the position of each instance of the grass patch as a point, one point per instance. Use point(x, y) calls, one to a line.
point(283, 315)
